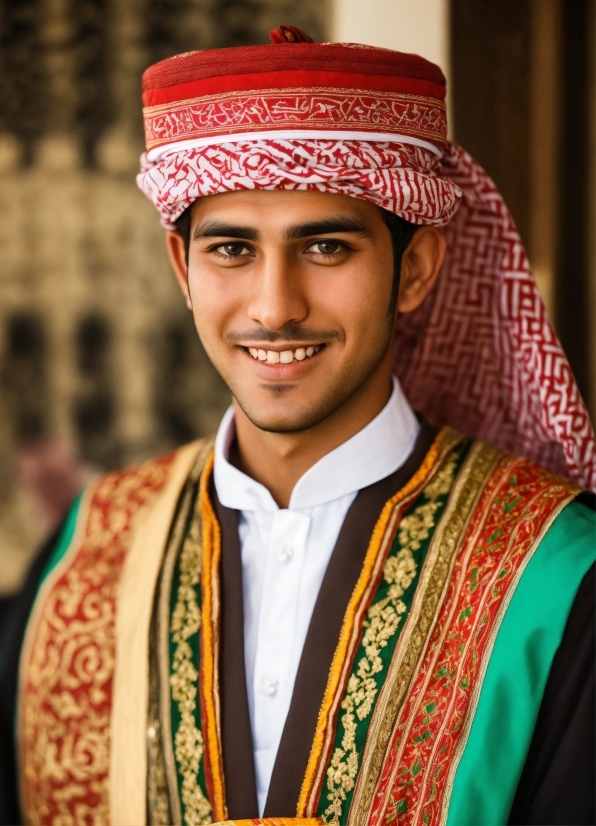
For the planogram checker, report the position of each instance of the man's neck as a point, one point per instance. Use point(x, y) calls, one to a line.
point(278, 460)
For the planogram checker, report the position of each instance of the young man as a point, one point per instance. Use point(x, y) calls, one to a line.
point(339, 609)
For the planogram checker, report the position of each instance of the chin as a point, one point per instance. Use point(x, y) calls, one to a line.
point(287, 418)
point(283, 422)
point(288, 408)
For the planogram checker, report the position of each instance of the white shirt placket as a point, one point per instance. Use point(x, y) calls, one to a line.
point(273, 677)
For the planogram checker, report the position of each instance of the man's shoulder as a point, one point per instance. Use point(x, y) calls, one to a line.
point(536, 473)
point(576, 524)
point(564, 546)
point(579, 505)
point(104, 519)
point(109, 510)
point(522, 493)
point(152, 474)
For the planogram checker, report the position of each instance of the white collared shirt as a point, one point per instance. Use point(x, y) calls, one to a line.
point(285, 553)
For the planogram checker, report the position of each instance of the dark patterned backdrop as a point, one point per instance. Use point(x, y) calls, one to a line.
point(100, 365)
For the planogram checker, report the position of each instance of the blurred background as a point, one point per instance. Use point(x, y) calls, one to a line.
point(100, 366)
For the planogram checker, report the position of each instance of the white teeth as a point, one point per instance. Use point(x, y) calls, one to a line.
point(286, 356)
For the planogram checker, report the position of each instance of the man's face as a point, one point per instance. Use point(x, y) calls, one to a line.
point(290, 293)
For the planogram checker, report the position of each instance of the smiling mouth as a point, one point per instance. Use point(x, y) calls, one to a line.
point(284, 356)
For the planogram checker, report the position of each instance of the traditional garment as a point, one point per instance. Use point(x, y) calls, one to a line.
point(285, 553)
point(421, 678)
point(443, 677)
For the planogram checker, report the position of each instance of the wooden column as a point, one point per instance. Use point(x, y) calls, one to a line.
point(523, 90)
point(574, 317)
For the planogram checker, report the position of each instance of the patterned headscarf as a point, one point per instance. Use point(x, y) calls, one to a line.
point(480, 353)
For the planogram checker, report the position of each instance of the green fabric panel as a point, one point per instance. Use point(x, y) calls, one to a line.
point(184, 674)
point(531, 631)
point(64, 539)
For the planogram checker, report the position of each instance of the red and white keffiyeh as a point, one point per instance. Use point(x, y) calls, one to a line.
point(480, 354)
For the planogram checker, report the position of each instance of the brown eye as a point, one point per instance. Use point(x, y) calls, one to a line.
point(326, 247)
point(233, 250)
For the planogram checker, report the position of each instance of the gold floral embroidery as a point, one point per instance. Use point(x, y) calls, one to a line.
point(443, 480)
point(381, 623)
point(68, 657)
point(185, 623)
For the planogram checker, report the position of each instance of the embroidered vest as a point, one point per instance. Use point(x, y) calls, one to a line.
point(119, 713)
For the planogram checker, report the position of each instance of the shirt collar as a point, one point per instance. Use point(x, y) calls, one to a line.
point(373, 453)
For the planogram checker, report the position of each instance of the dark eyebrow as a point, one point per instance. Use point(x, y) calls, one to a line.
point(219, 229)
point(339, 223)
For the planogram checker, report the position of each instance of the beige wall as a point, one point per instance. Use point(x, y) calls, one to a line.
point(419, 26)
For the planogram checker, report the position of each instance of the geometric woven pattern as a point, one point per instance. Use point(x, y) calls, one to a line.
point(480, 354)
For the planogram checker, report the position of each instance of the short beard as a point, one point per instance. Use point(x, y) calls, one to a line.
point(332, 399)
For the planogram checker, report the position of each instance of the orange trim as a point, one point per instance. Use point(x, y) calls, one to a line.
point(274, 821)
point(210, 641)
point(354, 608)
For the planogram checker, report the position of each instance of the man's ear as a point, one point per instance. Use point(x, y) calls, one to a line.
point(177, 255)
point(420, 267)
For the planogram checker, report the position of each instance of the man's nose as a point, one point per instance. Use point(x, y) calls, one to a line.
point(278, 296)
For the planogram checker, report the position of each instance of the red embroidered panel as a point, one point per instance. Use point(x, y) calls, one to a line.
point(323, 109)
point(65, 700)
point(516, 502)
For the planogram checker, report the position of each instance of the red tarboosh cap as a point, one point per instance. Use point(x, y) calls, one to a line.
point(294, 86)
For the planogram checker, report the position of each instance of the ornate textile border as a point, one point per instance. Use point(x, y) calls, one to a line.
point(385, 618)
point(349, 639)
point(130, 687)
point(518, 669)
point(68, 657)
point(540, 505)
point(178, 596)
point(509, 520)
point(438, 564)
point(184, 680)
point(333, 108)
point(163, 795)
point(209, 671)
point(273, 821)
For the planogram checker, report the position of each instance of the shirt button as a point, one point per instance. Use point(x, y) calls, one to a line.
point(285, 554)
point(270, 686)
